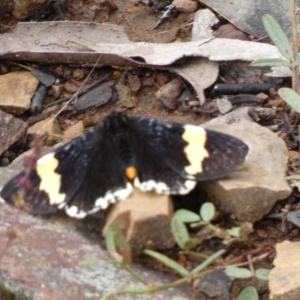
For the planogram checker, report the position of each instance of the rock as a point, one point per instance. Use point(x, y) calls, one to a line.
point(169, 93)
point(71, 87)
point(217, 284)
point(224, 105)
point(12, 130)
point(96, 97)
point(125, 97)
point(259, 183)
point(134, 83)
point(284, 278)
point(78, 74)
point(74, 131)
point(49, 129)
point(144, 219)
point(17, 89)
point(241, 114)
point(203, 21)
point(186, 6)
point(228, 31)
point(147, 81)
point(62, 258)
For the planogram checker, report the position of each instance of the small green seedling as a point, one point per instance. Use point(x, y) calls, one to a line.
point(290, 59)
point(248, 293)
point(120, 250)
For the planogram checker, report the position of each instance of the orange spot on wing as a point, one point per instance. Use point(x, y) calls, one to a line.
point(130, 173)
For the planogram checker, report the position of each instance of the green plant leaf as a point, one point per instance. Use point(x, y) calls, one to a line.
point(235, 231)
point(117, 246)
point(180, 232)
point(297, 61)
point(262, 274)
point(207, 211)
point(187, 216)
point(293, 177)
point(191, 243)
point(168, 262)
point(290, 97)
point(208, 261)
point(248, 293)
point(238, 272)
point(278, 36)
point(270, 62)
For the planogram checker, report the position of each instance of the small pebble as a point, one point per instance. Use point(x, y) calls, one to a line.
point(78, 74)
point(186, 6)
point(169, 94)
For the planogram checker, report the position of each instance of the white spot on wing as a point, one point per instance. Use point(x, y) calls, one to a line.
point(50, 180)
point(161, 187)
point(1, 199)
point(188, 186)
point(122, 194)
point(195, 150)
point(73, 211)
point(112, 197)
point(62, 205)
point(101, 203)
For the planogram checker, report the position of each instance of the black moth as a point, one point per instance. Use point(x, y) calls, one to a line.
point(104, 164)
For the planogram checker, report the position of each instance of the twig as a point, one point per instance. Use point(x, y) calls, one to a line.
point(167, 14)
point(241, 257)
point(250, 263)
point(245, 263)
point(82, 91)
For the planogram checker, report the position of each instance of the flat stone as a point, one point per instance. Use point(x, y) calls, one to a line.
point(94, 98)
point(214, 285)
point(252, 12)
point(17, 89)
point(284, 278)
point(125, 97)
point(49, 129)
point(168, 94)
point(145, 220)
point(186, 6)
point(74, 131)
point(63, 258)
point(252, 190)
point(203, 21)
point(228, 31)
point(12, 129)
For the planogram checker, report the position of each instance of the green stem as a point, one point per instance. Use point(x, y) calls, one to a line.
point(156, 288)
point(148, 290)
point(135, 275)
point(295, 69)
point(194, 255)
